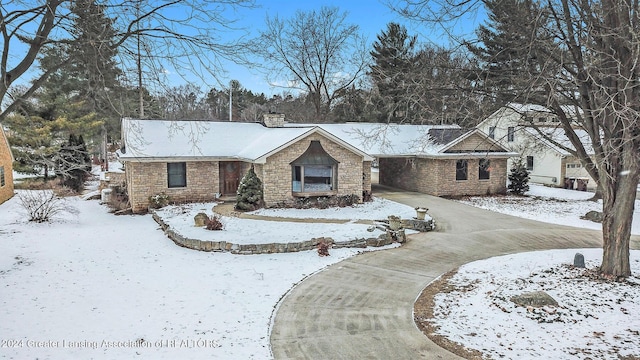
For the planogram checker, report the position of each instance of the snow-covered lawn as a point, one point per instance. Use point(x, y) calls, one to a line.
point(95, 285)
point(593, 319)
point(552, 205)
point(247, 231)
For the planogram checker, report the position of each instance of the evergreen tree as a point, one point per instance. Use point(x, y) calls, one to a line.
point(393, 55)
point(74, 163)
point(93, 61)
point(32, 144)
point(518, 178)
point(509, 54)
point(249, 196)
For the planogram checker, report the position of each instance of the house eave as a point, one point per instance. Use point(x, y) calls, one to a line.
point(183, 158)
point(473, 155)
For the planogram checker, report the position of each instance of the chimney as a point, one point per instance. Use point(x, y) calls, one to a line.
point(273, 120)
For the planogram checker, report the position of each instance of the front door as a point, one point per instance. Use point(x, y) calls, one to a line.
point(229, 177)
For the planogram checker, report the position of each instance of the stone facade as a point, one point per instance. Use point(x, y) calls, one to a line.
point(145, 179)
point(6, 168)
point(354, 175)
point(438, 176)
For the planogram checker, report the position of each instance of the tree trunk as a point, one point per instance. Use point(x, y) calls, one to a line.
point(617, 210)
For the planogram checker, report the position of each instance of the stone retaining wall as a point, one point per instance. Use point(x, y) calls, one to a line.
point(251, 249)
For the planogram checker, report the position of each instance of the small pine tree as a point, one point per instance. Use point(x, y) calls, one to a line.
point(518, 178)
point(74, 163)
point(249, 195)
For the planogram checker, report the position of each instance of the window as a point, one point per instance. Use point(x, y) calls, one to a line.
point(574, 166)
point(529, 162)
point(484, 169)
point(492, 132)
point(177, 174)
point(461, 170)
point(510, 133)
point(2, 181)
point(314, 171)
point(312, 178)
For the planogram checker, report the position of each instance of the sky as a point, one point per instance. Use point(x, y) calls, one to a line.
point(371, 16)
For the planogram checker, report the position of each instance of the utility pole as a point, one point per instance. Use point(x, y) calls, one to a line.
point(231, 100)
point(139, 64)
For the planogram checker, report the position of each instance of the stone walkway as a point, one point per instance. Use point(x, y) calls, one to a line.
point(362, 308)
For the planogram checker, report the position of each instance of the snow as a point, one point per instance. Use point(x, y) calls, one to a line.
point(378, 209)
point(249, 231)
point(96, 285)
point(164, 138)
point(593, 319)
point(551, 205)
point(387, 139)
point(90, 284)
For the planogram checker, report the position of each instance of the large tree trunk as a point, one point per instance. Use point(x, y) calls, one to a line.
point(618, 203)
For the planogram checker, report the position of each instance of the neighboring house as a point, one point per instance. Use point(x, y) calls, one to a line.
point(514, 126)
point(439, 160)
point(6, 168)
point(195, 160)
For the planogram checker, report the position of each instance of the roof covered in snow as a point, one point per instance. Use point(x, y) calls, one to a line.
point(165, 139)
point(556, 139)
point(388, 140)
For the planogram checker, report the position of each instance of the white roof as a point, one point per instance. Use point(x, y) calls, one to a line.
point(157, 140)
point(164, 139)
point(531, 108)
point(388, 139)
point(558, 136)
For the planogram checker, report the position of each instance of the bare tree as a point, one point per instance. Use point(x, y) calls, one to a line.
point(182, 33)
point(318, 53)
point(582, 63)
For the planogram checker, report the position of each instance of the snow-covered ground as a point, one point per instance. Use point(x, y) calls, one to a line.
point(94, 285)
point(552, 205)
point(247, 231)
point(593, 319)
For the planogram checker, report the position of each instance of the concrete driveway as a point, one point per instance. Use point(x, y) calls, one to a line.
point(361, 308)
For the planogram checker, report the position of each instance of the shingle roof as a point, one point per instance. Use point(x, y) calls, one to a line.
point(446, 136)
point(159, 139)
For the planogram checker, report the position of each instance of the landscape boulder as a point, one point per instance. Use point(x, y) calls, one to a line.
point(578, 260)
point(200, 219)
point(535, 299)
point(595, 216)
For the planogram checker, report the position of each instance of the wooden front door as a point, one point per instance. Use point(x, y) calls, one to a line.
point(229, 177)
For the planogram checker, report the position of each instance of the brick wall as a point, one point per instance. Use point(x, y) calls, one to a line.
point(276, 172)
point(145, 179)
point(6, 191)
point(438, 177)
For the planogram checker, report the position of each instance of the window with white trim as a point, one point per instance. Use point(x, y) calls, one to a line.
point(529, 163)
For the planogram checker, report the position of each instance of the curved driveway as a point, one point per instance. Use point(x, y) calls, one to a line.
point(362, 307)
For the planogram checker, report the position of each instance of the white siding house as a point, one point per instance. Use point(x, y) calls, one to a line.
point(518, 127)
